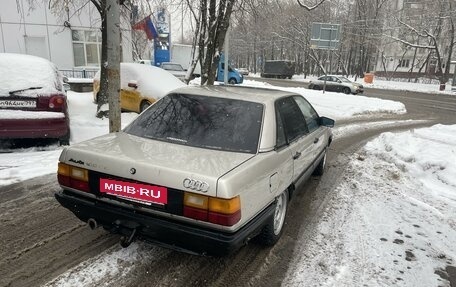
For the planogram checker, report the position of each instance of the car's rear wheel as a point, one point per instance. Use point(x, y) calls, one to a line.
point(346, 91)
point(274, 228)
point(320, 169)
point(65, 140)
point(144, 105)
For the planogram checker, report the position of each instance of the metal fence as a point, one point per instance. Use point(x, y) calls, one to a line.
point(80, 73)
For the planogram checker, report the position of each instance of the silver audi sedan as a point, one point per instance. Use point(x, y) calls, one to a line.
point(202, 170)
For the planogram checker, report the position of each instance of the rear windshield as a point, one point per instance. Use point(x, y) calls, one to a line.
point(201, 121)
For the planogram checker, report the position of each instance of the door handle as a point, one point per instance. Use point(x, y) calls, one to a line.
point(316, 140)
point(297, 155)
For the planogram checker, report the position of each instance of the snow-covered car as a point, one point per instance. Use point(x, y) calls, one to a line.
point(33, 102)
point(203, 170)
point(140, 85)
point(337, 84)
point(175, 69)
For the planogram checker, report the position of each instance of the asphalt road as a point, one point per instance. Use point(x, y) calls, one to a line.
point(40, 240)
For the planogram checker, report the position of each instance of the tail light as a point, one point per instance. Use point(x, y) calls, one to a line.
point(220, 211)
point(54, 103)
point(74, 177)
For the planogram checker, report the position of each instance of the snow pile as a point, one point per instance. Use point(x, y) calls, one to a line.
point(391, 222)
point(406, 86)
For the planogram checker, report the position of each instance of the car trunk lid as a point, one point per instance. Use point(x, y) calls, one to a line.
point(158, 163)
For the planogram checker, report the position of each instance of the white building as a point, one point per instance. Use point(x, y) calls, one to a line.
point(70, 39)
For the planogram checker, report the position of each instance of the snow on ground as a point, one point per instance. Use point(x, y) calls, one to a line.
point(406, 86)
point(391, 221)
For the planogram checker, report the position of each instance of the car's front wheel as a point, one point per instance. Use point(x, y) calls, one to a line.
point(274, 228)
point(232, 81)
point(346, 91)
point(316, 87)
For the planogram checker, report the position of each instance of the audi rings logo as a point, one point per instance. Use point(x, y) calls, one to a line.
point(196, 185)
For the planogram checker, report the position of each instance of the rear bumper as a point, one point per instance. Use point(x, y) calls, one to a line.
point(164, 232)
point(34, 128)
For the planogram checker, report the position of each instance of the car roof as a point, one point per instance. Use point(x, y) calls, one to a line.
point(253, 94)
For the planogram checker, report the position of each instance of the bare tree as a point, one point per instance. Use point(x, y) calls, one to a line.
point(212, 18)
point(437, 31)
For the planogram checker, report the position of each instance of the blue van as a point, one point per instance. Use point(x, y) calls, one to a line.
point(234, 77)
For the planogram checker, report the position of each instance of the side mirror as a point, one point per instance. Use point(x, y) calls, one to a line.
point(327, 122)
point(339, 81)
point(133, 84)
point(65, 79)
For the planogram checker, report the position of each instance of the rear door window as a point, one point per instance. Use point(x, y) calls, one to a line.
point(202, 121)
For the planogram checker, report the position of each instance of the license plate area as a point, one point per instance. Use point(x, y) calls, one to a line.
point(136, 192)
point(15, 104)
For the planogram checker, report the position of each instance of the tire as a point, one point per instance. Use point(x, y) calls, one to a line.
point(274, 228)
point(144, 105)
point(320, 169)
point(316, 87)
point(232, 81)
point(346, 91)
point(65, 140)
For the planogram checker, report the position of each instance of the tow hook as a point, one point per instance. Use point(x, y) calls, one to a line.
point(126, 241)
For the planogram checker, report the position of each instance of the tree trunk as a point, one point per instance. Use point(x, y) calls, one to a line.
point(102, 97)
point(113, 63)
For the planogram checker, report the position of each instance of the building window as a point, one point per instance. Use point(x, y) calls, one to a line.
point(86, 47)
point(404, 63)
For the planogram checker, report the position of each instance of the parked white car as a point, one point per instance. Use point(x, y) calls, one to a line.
point(202, 170)
point(175, 69)
point(337, 84)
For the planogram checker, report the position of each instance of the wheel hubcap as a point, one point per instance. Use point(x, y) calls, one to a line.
point(279, 214)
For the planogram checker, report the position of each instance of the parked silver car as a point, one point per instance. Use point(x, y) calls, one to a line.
point(175, 69)
point(202, 170)
point(337, 84)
